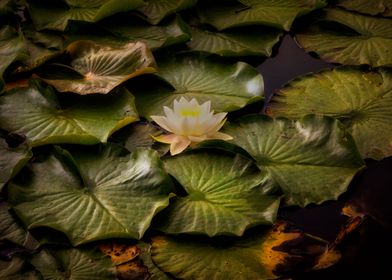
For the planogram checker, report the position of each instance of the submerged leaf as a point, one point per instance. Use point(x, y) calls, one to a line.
point(275, 13)
point(155, 10)
point(313, 159)
point(73, 264)
point(99, 69)
point(55, 15)
point(368, 40)
point(36, 113)
point(228, 87)
point(225, 195)
point(117, 197)
point(361, 99)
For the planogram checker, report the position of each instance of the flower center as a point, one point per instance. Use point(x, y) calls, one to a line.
point(189, 112)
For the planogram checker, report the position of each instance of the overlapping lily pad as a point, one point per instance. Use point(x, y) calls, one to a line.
point(237, 42)
point(225, 195)
point(128, 29)
point(275, 13)
point(73, 264)
point(12, 48)
point(12, 160)
point(13, 270)
point(98, 68)
point(117, 197)
point(155, 10)
point(55, 15)
point(360, 98)
point(312, 159)
point(257, 255)
point(35, 112)
point(12, 230)
point(228, 87)
point(354, 39)
point(375, 7)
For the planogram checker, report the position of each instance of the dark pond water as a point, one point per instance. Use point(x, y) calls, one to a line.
point(366, 252)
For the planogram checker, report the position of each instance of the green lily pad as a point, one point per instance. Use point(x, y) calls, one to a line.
point(36, 113)
point(12, 160)
point(41, 46)
point(153, 270)
point(12, 48)
point(97, 68)
point(139, 135)
point(354, 39)
point(313, 159)
point(130, 30)
point(375, 7)
point(117, 197)
point(247, 41)
point(155, 10)
point(259, 254)
point(55, 15)
point(361, 99)
point(14, 270)
point(225, 195)
point(12, 230)
point(73, 264)
point(228, 87)
point(7, 7)
point(275, 13)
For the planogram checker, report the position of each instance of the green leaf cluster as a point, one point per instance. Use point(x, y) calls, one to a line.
point(79, 82)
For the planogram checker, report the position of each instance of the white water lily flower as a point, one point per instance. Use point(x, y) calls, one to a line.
point(189, 123)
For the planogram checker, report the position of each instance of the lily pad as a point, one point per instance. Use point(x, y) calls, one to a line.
point(73, 264)
point(36, 113)
point(97, 68)
point(259, 254)
point(12, 160)
point(275, 13)
point(153, 270)
point(375, 7)
point(225, 195)
point(354, 39)
point(12, 48)
point(249, 41)
point(117, 197)
point(155, 37)
point(155, 10)
point(361, 99)
point(313, 159)
point(228, 87)
point(14, 270)
point(12, 230)
point(55, 15)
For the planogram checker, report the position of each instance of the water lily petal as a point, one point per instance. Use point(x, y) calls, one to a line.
point(215, 123)
point(162, 122)
point(220, 136)
point(166, 138)
point(197, 139)
point(179, 145)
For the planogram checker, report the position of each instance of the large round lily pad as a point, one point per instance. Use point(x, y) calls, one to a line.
point(225, 195)
point(353, 38)
point(361, 99)
point(313, 159)
point(228, 87)
point(117, 195)
point(276, 13)
point(35, 112)
point(97, 68)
